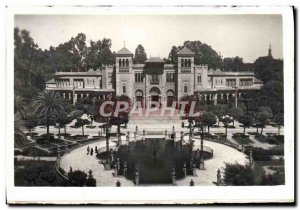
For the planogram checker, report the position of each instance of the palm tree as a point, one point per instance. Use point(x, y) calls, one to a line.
point(48, 104)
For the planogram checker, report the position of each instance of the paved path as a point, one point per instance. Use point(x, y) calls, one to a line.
point(78, 159)
point(222, 154)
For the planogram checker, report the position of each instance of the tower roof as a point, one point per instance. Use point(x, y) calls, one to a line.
point(125, 52)
point(186, 52)
point(154, 60)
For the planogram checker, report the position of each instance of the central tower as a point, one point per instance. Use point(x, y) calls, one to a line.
point(185, 72)
point(124, 74)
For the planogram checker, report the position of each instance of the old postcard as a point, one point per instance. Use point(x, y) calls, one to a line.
point(150, 105)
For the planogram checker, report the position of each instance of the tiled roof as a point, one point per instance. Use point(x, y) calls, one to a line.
point(185, 51)
point(154, 60)
point(51, 81)
point(124, 51)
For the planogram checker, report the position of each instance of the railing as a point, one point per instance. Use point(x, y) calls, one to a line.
point(103, 149)
point(205, 149)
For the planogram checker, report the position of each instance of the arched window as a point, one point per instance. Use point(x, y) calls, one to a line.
point(124, 89)
point(185, 90)
point(185, 63)
point(182, 62)
point(189, 62)
point(127, 63)
point(120, 62)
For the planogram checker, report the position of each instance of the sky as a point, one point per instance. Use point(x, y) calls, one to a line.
point(246, 36)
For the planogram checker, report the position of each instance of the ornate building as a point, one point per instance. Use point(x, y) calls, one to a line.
point(154, 81)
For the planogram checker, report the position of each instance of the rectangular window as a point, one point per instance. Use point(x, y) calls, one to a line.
point(109, 78)
point(138, 77)
point(155, 79)
point(231, 82)
point(246, 82)
point(170, 77)
point(199, 81)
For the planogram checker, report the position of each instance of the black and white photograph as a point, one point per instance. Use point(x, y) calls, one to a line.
point(195, 105)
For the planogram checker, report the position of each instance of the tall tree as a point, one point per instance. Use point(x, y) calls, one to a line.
point(267, 69)
point(49, 105)
point(279, 121)
point(234, 64)
point(262, 116)
point(226, 121)
point(204, 54)
point(140, 55)
point(99, 54)
point(173, 55)
point(246, 120)
point(210, 119)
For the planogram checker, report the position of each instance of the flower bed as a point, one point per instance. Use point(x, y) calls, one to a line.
point(242, 139)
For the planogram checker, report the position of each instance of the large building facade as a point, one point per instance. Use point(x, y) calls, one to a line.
point(154, 81)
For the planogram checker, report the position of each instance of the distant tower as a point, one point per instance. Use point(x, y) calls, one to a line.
point(270, 51)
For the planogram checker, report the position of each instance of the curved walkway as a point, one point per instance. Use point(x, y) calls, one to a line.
point(78, 159)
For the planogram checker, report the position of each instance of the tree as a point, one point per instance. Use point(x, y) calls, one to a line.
point(49, 105)
point(279, 120)
point(99, 54)
point(204, 54)
point(236, 112)
point(234, 64)
point(20, 139)
point(30, 121)
point(267, 69)
point(173, 55)
point(217, 110)
point(226, 121)
point(62, 121)
point(272, 96)
point(140, 55)
point(262, 117)
point(238, 175)
point(81, 123)
point(246, 120)
point(209, 119)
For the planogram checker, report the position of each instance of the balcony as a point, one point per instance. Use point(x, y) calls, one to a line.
point(185, 69)
point(124, 69)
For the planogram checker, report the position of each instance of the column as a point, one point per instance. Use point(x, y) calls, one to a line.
point(74, 98)
point(215, 99)
point(64, 95)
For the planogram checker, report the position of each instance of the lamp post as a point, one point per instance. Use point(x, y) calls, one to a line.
point(201, 125)
point(236, 95)
point(107, 137)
